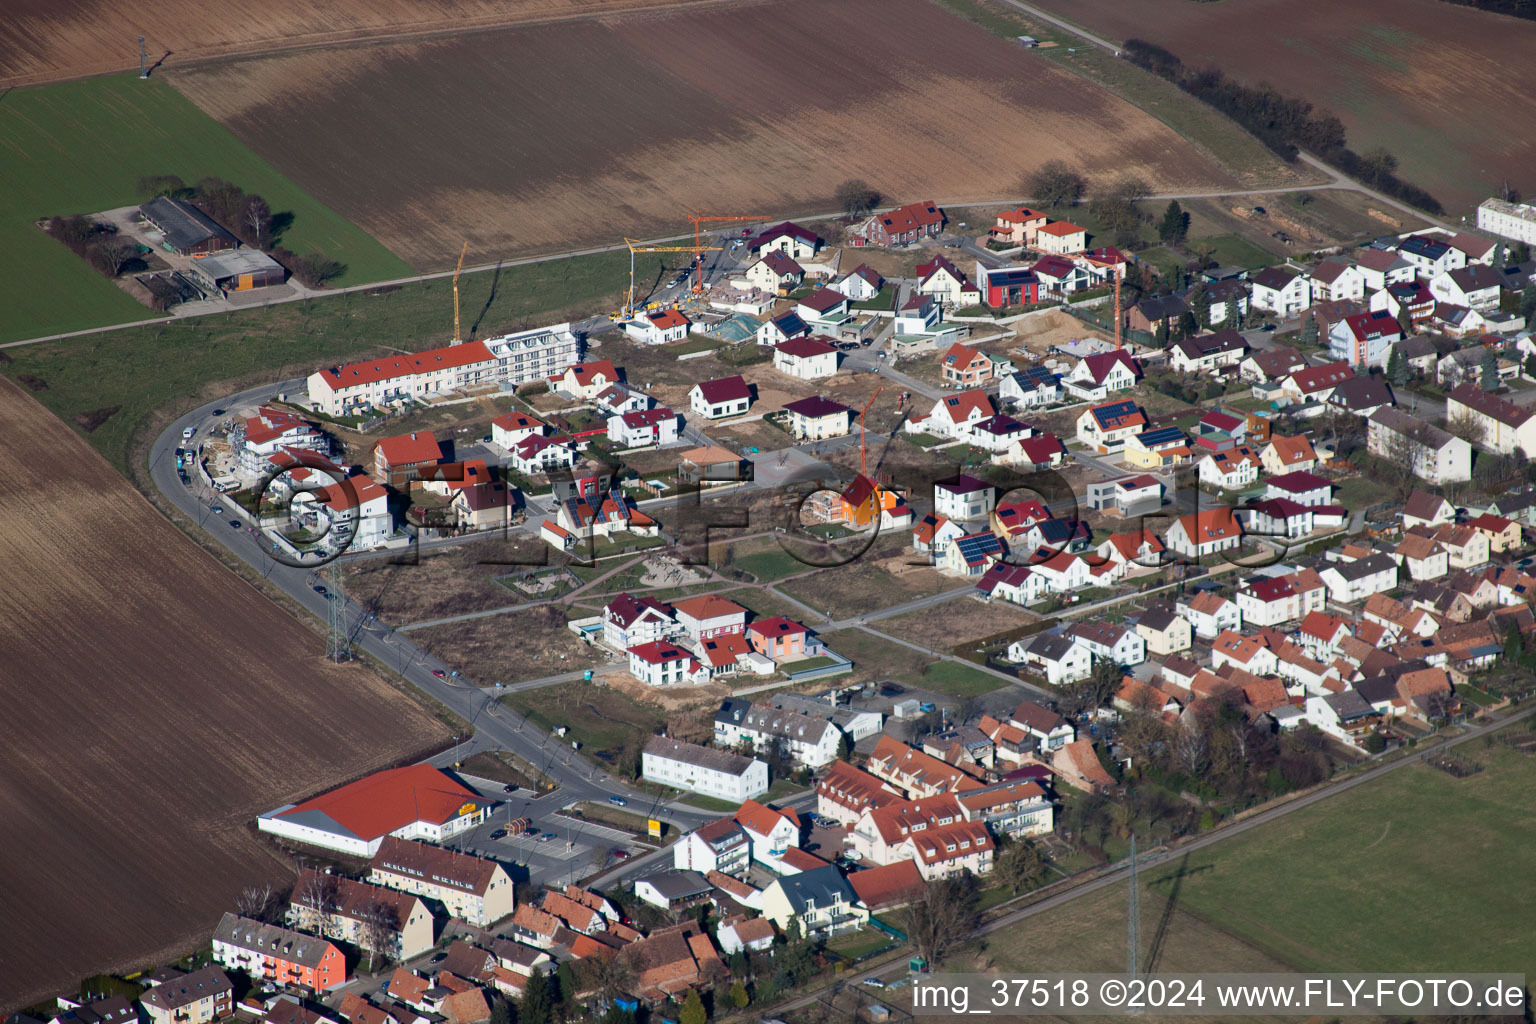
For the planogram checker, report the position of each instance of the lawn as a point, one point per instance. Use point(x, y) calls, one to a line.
point(1233, 251)
point(853, 945)
point(81, 147)
point(601, 719)
point(959, 680)
point(147, 369)
point(768, 562)
point(1413, 872)
point(1360, 491)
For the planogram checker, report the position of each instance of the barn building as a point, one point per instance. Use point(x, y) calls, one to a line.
point(187, 229)
point(239, 270)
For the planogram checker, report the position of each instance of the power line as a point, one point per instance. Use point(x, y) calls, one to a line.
point(1133, 919)
point(338, 646)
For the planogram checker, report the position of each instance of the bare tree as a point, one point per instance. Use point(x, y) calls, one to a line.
point(1191, 749)
point(1055, 184)
point(941, 916)
point(257, 216)
point(378, 929)
point(856, 196)
point(1018, 865)
point(1465, 426)
point(259, 902)
point(317, 900)
point(115, 251)
point(1400, 456)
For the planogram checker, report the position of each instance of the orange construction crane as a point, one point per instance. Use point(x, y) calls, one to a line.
point(634, 247)
point(457, 337)
point(864, 431)
point(699, 249)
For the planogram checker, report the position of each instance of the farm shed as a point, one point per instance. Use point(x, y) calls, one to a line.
point(239, 271)
point(187, 229)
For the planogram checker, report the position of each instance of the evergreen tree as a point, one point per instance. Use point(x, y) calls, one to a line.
point(1530, 366)
point(1488, 374)
point(1528, 303)
point(739, 997)
point(1309, 332)
point(501, 1013)
point(1175, 224)
point(1397, 367)
point(693, 1009)
point(565, 980)
point(536, 1006)
point(1162, 331)
point(1500, 256)
point(1200, 306)
point(1235, 317)
point(1404, 320)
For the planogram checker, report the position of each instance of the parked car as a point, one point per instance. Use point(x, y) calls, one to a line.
point(620, 854)
point(235, 523)
point(320, 589)
point(891, 690)
point(873, 982)
point(500, 833)
point(618, 801)
point(509, 788)
point(546, 837)
point(217, 510)
point(927, 706)
point(439, 673)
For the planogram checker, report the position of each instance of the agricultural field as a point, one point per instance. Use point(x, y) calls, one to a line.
point(150, 373)
point(661, 131)
point(81, 147)
point(1448, 89)
point(146, 689)
point(49, 40)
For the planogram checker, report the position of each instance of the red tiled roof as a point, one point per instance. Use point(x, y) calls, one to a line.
point(726, 389)
point(409, 449)
point(446, 358)
point(385, 801)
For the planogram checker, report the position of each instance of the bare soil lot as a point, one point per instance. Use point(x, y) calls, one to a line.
point(503, 648)
point(48, 40)
point(1450, 90)
point(146, 691)
point(461, 579)
point(581, 158)
point(960, 621)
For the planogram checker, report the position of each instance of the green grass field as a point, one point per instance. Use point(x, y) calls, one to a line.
point(602, 720)
point(1417, 871)
point(81, 147)
point(145, 369)
point(1233, 251)
point(959, 680)
point(768, 562)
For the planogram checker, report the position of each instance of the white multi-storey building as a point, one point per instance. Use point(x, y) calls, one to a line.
point(717, 773)
point(1515, 221)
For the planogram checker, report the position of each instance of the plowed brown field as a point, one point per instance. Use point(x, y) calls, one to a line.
point(1448, 89)
point(49, 40)
point(559, 135)
point(153, 704)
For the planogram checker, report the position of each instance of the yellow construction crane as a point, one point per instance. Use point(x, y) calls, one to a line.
point(458, 337)
point(628, 313)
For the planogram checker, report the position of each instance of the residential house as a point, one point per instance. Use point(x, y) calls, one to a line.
point(1359, 578)
point(658, 327)
point(948, 284)
point(1210, 614)
point(1128, 496)
point(1271, 365)
point(507, 431)
point(824, 306)
point(1279, 517)
point(903, 225)
point(718, 399)
point(1030, 389)
point(196, 997)
point(1425, 509)
point(817, 418)
point(788, 238)
point(970, 555)
point(1018, 226)
point(1335, 279)
point(540, 453)
point(967, 367)
point(1288, 454)
point(720, 846)
point(1248, 653)
point(1016, 583)
point(1160, 448)
point(1364, 339)
point(1362, 396)
point(629, 621)
point(1164, 631)
point(712, 465)
point(808, 739)
point(356, 387)
point(1230, 301)
point(1475, 286)
point(1302, 487)
point(738, 934)
point(778, 638)
point(663, 663)
point(777, 273)
point(1419, 352)
point(933, 534)
point(1436, 456)
point(1138, 549)
point(1505, 425)
point(1104, 428)
point(586, 381)
point(819, 903)
point(1059, 278)
point(861, 284)
point(1503, 534)
point(1431, 256)
point(587, 518)
point(351, 513)
point(782, 328)
point(355, 912)
point(1003, 287)
point(709, 615)
point(1316, 383)
point(671, 890)
point(1096, 376)
point(400, 459)
point(1411, 299)
point(953, 415)
point(963, 497)
point(1061, 238)
point(1207, 352)
point(844, 793)
point(1282, 291)
point(1041, 451)
point(471, 889)
point(1057, 656)
point(643, 429)
point(1230, 470)
point(703, 770)
point(1422, 557)
point(265, 952)
point(1109, 642)
point(805, 358)
point(1381, 268)
point(1157, 313)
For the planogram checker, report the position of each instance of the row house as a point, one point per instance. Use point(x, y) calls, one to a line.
point(358, 387)
point(1272, 600)
point(282, 957)
point(471, 889)
point(353, 911)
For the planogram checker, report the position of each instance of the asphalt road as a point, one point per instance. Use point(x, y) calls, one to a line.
point(495, 726)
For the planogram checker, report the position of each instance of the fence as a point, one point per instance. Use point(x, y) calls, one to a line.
point(891, 930)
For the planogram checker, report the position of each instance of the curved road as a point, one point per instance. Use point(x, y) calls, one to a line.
point(496, 727)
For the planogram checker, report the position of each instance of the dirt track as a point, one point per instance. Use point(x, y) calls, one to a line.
point(154, 704)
